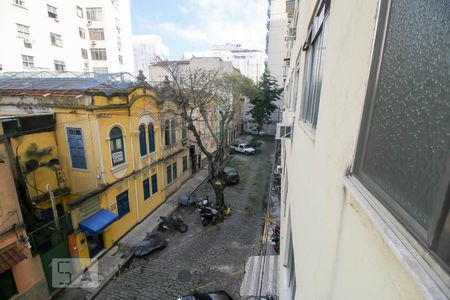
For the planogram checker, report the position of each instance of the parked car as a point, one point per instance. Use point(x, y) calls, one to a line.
point(243, 148)
point(152, 242)
point(255, 131)
point(217, 295)
point(231, 175)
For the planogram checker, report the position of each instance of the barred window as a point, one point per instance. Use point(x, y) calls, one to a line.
point(97, 34)
point(23, 31)
point(56, 39)
point(94, 13)
point(98, 53)
point(28, 61)
point(59, 65)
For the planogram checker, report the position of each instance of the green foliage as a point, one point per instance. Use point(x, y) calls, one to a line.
point(262, 99)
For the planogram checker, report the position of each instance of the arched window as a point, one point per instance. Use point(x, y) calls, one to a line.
point(173, 132)
point(167, 133)
point(142, 140)
point(117, 147)
point(151, 137)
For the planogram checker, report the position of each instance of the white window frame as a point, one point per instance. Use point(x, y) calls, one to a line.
point(23, 31)
point(56, 39)
point(52, 12)
point(59, 64)
point(97, 34)
point(98, 54)
point(27, 61)
point(80, 12)
point(94, 13)
point(313, 67)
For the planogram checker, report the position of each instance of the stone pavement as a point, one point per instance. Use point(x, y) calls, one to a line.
point(110, 263)
point(205, 258)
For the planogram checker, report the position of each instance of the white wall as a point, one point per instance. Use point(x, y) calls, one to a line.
point(35, 15)
point(338, 251)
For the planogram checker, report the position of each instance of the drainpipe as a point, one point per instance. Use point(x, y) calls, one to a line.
point(102, 167)
point(55, 212)
point(134, 169)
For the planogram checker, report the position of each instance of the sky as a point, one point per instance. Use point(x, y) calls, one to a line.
point(189, 25)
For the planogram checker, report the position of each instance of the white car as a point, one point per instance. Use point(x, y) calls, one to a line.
point(254, 131)
point(243, 148)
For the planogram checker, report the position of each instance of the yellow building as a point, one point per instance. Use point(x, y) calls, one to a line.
point(20, 273)
point(108, 149)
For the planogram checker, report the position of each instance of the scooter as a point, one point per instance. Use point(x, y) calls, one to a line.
point(275, 238)
point(175, 223)
point(208, 214)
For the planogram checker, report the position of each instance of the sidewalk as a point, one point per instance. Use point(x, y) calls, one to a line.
point(110, 263)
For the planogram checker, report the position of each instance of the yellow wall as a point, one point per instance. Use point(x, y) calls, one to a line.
point(129, 176)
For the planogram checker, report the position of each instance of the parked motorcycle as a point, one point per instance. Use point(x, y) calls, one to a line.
point(193, 199)
point(275, 238)
point(175, 223)
point(209, 214)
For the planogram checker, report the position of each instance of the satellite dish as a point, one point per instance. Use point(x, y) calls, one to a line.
point(31, 165)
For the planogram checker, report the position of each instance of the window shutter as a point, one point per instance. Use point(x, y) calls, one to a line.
point(76, 148)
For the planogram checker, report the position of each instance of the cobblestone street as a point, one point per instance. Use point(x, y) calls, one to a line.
point(205, 258)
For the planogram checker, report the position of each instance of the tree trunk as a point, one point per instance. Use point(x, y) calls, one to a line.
point(216, 181)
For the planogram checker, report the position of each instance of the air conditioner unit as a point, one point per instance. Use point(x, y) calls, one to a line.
point(93, 44)
point(292, 31)
point(89, 23)
point(284, 131)
point(28, 43)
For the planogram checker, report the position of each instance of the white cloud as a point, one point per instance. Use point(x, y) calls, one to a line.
point(222, 21)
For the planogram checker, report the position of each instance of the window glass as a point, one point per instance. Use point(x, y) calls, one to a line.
point(123, 204)
point(154, 184)
point(169, 174)
point(116, 143)
point(146, 187)
point(167, 133)
point(76, 148)
point(142, 140)
point(173, 132)
point(97, 34)
point(94, 14)
point(174, 171)
point(151, 138)
point(408, 142)
point(185, 163)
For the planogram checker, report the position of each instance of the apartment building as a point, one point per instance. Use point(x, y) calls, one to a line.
point(249, 62)
point(147, 49)
point(365, 151)
point(72, 35)
point(157, 75)
point(105, 149)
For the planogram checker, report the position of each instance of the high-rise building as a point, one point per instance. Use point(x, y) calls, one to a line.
point(70, 35)
point(147, 49)
point(251, 63)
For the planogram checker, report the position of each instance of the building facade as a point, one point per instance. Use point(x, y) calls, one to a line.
point(108, 152)
point(75, 35)
point(20, 272)
point(250, 62)
point(157, 75)
point(276, 39)
point(147, 49)
point(365, 151)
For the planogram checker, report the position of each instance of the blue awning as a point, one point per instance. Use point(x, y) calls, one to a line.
point(95, 224)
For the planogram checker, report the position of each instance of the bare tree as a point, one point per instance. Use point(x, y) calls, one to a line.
point(208, 100)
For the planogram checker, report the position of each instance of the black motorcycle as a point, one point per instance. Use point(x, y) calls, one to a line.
point(209, 214)
point(175, 223)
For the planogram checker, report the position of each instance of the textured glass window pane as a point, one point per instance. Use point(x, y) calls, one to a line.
point(409, 138)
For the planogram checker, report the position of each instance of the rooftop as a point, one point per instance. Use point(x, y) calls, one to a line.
point(65, 83)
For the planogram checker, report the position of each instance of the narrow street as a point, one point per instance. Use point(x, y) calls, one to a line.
point(205, 258)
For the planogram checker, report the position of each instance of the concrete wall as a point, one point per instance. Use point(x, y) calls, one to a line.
point(339, 253)
point(34, 14)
